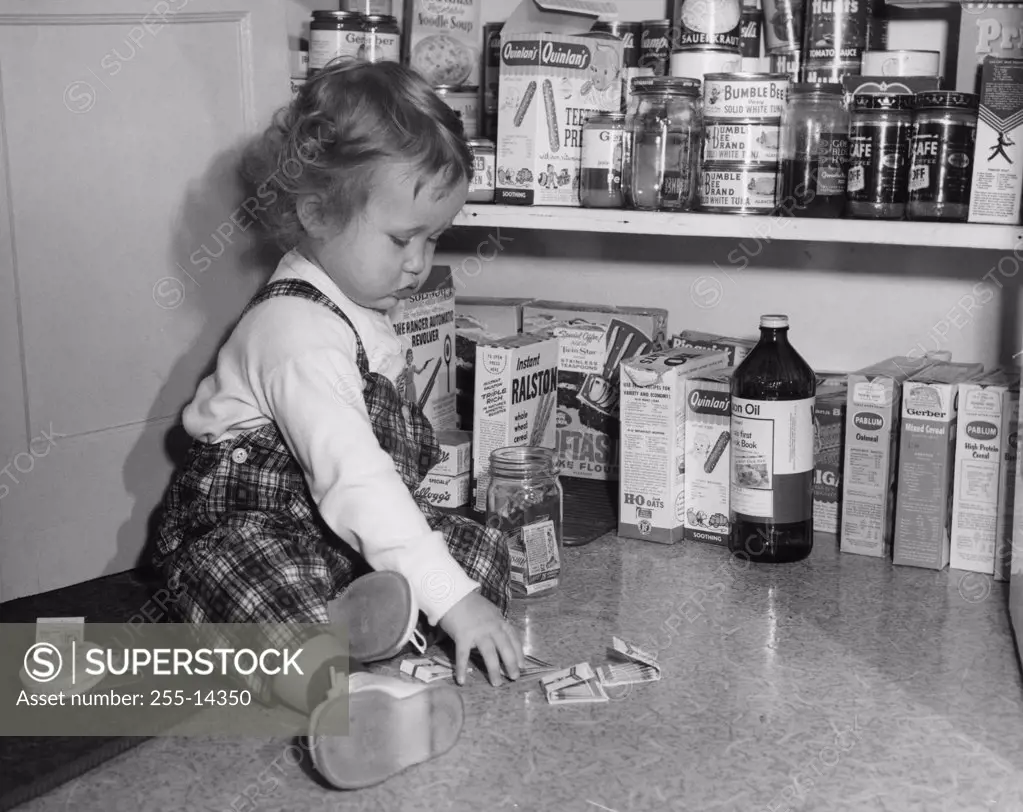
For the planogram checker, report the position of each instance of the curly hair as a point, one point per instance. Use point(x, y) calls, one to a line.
point(348, 119)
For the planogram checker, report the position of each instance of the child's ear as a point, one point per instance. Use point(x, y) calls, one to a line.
point(312, 215)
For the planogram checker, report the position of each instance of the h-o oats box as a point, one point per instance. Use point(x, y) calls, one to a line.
point(870, 465)
point(829, 444)
point(553, 77)
point(982, 487)
point(927, 442)
point(651, 505)
point(426, 325)
point(986, 29)
point(479, 318)
point(443, 40)
point(737, 348)
point(997, 187)
point(708, 446)
point(516, 395)
point(593, 340)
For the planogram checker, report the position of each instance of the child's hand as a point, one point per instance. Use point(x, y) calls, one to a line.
point(474, 622)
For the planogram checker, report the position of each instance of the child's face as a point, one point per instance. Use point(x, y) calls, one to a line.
point(386, 253)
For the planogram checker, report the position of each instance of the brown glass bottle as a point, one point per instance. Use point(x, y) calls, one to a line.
point(771, 503)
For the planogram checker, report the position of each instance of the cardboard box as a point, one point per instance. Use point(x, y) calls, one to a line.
point(593, 340)
point(997, 176)
point(552, 79)
point(737, 348)
point(444, 491)
point(869, 467)
point(653, 404)
point(479, 318)
point(827, 380)
point(426, 324)
point(1003, 550)
point(829, 444)
point(516, 394)
point(708, 444)
point(456, 453)
point(987, 29)
point(443, 40)
point(1016, 561)
point(927, 441)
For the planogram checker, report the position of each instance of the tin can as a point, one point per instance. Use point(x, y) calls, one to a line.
point(741, 142)
point(745, 95)
point(750, 28)
point(382, 38)
point(901, 63)
point(655, 46)
point(837, 33)
point(491, 78)
point(630, 34)
point(942, 150)
point(738, 189)
point(465, 101)
point(787, 63)
point(716, 24)
point(334, 34)
point(830, 72)
point(484, 170)
point(879, 140)
point(368, 6)
point(697, 63)
point(783, 26)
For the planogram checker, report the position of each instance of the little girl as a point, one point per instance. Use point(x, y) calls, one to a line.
point(295, 508)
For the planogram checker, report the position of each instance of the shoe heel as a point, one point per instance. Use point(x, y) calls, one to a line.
point(376, 611)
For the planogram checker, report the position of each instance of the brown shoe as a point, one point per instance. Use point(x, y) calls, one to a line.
point(379, 613)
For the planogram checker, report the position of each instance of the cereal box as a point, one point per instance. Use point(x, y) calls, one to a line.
point(708, 442)
point(737, 348)
point(593, 340)
point(455, 451)
point(443, 40)
point(516, 392)
point(986, 29)
point(869, 469)
point(997, 177)
point(979, 497)
point(653, 407)
point(828, 445)
point(552, 79)
point(426, 325)
point(479, 318)
point(444, 491)
point(927, 439)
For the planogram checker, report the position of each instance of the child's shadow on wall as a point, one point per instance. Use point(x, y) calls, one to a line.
point(215, 268)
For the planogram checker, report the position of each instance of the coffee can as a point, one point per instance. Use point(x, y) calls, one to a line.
point(655, 46)
point(716, 24)
point(783, 26)
point(695, 63)
point(901, 63)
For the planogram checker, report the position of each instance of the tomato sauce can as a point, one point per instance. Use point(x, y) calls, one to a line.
point(738, 189)
point(655, 46)
point(835, 35)
point(695, 63)
point(745, 95)
point(382, 38)
point(741, 142)
point(334, 34)
point(787, 62)
point(465, 101)
point(829, 72)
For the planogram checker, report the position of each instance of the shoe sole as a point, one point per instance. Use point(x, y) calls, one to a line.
point(375, 611)
point(386, 734)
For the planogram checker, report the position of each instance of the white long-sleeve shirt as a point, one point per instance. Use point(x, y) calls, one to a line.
point(292, 362)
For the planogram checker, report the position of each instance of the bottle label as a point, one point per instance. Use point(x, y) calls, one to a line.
point(602, 149)
point(833, 163)
point(772, 459)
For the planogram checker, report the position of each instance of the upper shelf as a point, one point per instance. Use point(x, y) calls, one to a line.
point(618, 221)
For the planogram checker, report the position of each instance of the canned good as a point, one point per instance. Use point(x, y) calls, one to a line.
point(382, 38)
point(491, 78)
point(738, 189)
point(697, 63)
point(715, 25)
point(630, 35)
point(901, 63)
point(749, 33)
point(334, 34)
point(839, 32)
point(600, 180)
point(879, 136)
point(942, 149)
point(745, 95)
point(783, 26)
point(368, 6)
point(484, 168)
point(741, 142)
point(655, 46)
point(465, 101)
point(787, 63)
point(829, 72)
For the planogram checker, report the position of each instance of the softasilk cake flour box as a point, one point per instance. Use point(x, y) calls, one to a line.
point(708, 445)
point(552, 79)
point(593, 342)
point(653, 453)
point(516, 394)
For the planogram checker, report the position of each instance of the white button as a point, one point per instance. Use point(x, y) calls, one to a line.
point(239, 455)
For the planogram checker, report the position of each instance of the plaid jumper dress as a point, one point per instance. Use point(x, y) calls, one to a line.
point(241, 541)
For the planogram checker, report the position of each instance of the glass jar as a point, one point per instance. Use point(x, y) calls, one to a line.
point(814, 151)
point(667, 133)
point(879, 136)
point(481, 185)
point(334, 34)
point(941, 167)
point(524, 502)
point(382, 38)
point(600, 181)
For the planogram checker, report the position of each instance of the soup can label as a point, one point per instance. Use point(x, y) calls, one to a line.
point(717, 24)
point(738, 188)
point(748, 142)
point(738, 97)
point(655, 46)
point(841, 30)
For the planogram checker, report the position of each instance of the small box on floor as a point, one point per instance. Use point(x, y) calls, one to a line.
point(516, 395)
point(708, 446)
point(737, 348)
point(456, 453)
point(444, 491)
point(997, 176)
point(829, 444)
point(651, 485)
point(593, 341)
point(923, 505)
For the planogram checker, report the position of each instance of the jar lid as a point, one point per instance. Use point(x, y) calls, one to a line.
point(774, 321)
point(883, 101)
point(382, 18)
point(336, 15)
point(614, 118)
point(637, 82)
point(681, 85)
point(740, 75)
point(931, 99)
point(807, 88)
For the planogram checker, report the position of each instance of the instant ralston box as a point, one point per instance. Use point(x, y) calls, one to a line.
point(982, 487)
point(653, 407)
point(870, 466)
point(737, 348)
point(552, 80)
point(479, 318)
point(516, 394)
point(708, 446)
point(426, 322)
point(987, 29)
point(443, 40)
point(997, 173)
point(593, 340)
point(927, 441)
point(828, 446)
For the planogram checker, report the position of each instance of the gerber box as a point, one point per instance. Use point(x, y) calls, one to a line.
point(927, 441)
point(479, 318)
point(997, 176)
point(593, 341)
point(829, 440)
point(708, 445)
point(653, 409)
point(426, 324)
point(982, 487)
point(552, 79)
point(516, 391)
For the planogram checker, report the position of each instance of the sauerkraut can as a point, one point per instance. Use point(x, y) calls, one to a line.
point(738, 189)
point(740, 96)
point(444, 39)
point(714, 23)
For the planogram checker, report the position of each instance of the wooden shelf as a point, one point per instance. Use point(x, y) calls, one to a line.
point(617, 221)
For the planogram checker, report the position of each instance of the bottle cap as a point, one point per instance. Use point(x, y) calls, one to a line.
point(774, 321)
